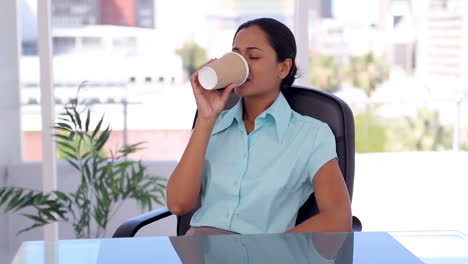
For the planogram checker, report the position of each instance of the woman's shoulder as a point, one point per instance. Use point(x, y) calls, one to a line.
point(304, 120)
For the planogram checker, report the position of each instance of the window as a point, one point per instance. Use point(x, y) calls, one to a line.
point(401, 65)
point(63, 45)
point(138, 64)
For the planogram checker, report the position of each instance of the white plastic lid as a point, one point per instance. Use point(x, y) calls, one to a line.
point(207, 78)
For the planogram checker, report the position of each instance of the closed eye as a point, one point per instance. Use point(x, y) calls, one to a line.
point(254, 58)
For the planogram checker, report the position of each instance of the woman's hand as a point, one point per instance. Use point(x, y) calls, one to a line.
point(210, 103)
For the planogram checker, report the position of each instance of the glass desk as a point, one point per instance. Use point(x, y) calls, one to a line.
point(339, 248)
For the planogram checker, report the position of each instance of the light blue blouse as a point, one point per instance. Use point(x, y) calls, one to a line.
point(255, 183)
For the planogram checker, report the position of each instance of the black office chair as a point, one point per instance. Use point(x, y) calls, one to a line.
point(306, 101)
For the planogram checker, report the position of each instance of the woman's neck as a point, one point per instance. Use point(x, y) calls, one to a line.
point(254, 106)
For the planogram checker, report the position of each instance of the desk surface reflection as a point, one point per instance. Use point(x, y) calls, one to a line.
point(320, 248)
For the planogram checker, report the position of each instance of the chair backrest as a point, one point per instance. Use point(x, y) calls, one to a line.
point(323, 106)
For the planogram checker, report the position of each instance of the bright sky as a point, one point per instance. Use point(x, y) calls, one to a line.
point(356, 11)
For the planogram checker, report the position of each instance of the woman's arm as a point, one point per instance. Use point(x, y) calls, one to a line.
point(184, 184)
point(332, 200)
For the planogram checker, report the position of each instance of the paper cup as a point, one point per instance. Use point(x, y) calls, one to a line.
point(230, 68)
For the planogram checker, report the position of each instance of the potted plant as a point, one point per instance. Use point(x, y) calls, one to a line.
point(106, 180)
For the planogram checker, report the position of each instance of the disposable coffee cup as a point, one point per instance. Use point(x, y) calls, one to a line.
point(230, 68)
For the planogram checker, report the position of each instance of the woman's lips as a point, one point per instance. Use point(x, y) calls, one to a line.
point(246, 81)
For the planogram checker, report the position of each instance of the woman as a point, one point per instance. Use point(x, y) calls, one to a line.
point(257, 163)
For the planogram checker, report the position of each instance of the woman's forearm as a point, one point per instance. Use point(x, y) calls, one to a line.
point(325, 222)
point(183, 188)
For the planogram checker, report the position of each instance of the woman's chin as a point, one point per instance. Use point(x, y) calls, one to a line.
point(241, 90)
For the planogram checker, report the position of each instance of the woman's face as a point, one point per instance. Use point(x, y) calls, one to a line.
point(266, 72)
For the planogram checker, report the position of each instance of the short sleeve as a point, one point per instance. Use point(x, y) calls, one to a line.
point(324, 150)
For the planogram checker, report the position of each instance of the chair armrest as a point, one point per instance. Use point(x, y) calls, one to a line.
point(132, 225)
point(357, 225)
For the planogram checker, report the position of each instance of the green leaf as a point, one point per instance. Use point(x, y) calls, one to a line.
point(71, 136)
point(81, 134)
point(48, 214)
point(64, 125)
point(77, 117)
point(104, 135)
point(62, 128)
point(121, 167)
point(66, 145)
point(36, 218)
point(63, 119)
point(88, 119)
point(60, 136)
point(73, 164)
point(86, 155)
point(88, 172)
point(101, 141)
point(61, 196)
point(162, 186)
point(131, 148)
point(31, 227)
point(70, 114)
point(62, 213)
point(13, 201)
point(98, 126)
point(38, 198)
point(70, 154)
point(7, 190)
point(25, 201)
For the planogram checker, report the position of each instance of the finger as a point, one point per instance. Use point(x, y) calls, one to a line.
point(194, 76)
point(227, 91)
point(194, 80)
point(196, 86)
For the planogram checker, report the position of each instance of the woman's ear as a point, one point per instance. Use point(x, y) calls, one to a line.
point(285, 68)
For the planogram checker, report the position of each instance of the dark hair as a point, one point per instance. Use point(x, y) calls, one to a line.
point(281, 39)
